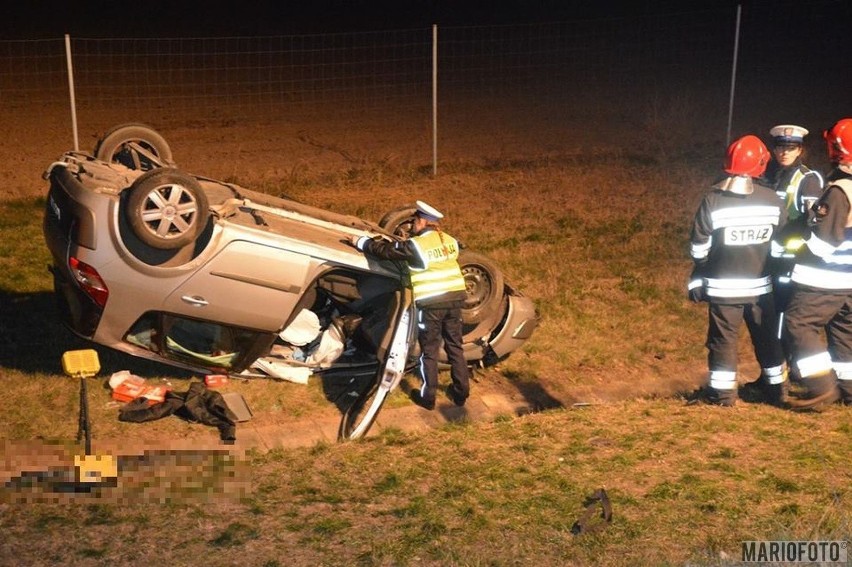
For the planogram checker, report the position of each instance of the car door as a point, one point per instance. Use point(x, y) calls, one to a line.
point(247, 284)
point(393, 355)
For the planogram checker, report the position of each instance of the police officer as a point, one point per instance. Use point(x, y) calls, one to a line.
point(799, 188)
point(793, 181)
point(733, 234)
point(439, 293)
point(822, 285)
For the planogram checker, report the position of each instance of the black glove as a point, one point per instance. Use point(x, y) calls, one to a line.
point(697, 294)
point(695, 289)
point(781, 266)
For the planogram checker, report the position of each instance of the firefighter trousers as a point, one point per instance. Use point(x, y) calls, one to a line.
point(810, 313)
point(723, 336)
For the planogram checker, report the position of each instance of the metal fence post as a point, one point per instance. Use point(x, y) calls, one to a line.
point(434, 100)
point(734, 74)
point(71, 92)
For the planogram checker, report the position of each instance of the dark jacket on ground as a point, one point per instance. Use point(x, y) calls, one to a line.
point(198, 404)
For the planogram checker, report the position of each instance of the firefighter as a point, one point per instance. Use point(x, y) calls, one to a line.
point(822, 286)
point(733, 235)
point(439, 293)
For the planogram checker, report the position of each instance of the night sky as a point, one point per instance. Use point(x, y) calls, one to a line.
point(812, 35)
point(36, 19)
point(827, 20)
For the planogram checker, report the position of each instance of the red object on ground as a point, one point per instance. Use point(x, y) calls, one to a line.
point(215, 380)
point(133, 387)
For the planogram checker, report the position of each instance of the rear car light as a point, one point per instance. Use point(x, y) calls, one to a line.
point(89, 280)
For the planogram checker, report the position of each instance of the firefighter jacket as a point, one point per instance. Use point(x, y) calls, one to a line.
point(825, 261)
point(432, 258)
point(733, 236)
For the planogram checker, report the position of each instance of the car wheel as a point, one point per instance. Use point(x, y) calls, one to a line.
point(399, 222)
point(167, 208)
point(483, 282)
point(136, 146)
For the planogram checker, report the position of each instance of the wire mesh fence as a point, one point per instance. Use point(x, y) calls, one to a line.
point(646, 74)
point(242, 74)
point(33, 72)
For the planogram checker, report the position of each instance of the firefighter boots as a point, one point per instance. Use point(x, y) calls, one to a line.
point(713, 397)
point(846, 391)
point(821, 390)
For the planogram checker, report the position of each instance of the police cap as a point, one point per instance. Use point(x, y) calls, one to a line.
point(788, 135)
point(428, 212)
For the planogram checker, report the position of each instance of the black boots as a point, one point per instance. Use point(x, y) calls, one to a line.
point(713, 397)
point(775, 394)
point(418, 399)
point(820, 391)
point(845, 387)
point(458, 398)
point(762, 391)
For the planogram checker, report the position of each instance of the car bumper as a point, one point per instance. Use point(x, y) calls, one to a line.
point(520, 322)
point(63, 219)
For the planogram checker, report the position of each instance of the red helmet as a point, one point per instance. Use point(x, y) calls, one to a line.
point(839, 140)
point(747, 156)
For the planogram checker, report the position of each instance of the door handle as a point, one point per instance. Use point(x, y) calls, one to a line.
point(194, 300)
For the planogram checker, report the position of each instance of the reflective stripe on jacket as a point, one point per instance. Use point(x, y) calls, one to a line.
point(799, 195)
point(827, 260)
point(733, 236)
point(440, 273)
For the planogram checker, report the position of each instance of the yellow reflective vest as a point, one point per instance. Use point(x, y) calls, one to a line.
point(440, 273)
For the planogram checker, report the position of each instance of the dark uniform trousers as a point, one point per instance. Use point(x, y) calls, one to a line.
point(723, 333)
point(437, 323)
point(809, 313)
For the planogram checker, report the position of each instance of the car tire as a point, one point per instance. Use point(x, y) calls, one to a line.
point(136, 146)
point(400, 221)
point(167, 209)
point(484, 286)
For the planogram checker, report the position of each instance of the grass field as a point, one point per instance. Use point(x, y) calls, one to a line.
point(687, 485)
point(598, 237)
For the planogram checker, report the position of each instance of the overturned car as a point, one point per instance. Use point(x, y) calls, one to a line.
point(212, 277)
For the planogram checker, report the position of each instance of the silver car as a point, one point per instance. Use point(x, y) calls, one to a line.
point(212, 277)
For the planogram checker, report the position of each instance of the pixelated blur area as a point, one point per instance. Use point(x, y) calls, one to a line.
point(32, 473)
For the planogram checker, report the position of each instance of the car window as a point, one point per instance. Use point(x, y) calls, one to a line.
point(193, 341)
